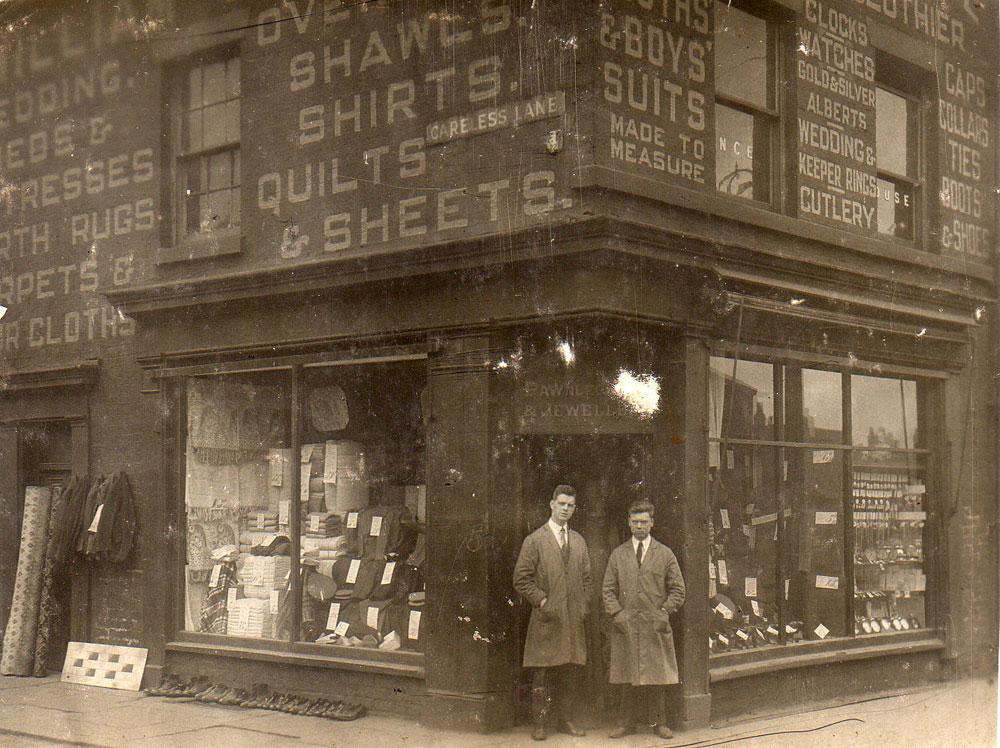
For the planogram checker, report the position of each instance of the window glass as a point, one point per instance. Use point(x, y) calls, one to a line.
point(896, 199)
point(741, 56)
point(238, 556)
point(883, 412)
point(897, 149)
point(363, 506)
point(741, 396)
point(891, 132)
point(822, 416)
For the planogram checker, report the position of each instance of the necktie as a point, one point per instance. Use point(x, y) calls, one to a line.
point(638, 553)
point(564, 544)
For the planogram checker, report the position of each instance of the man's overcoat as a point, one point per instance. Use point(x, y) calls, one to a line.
point(639, 602)
point(556, 632)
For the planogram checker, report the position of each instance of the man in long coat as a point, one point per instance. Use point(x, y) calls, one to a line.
point(553, 574)
point(642, 587)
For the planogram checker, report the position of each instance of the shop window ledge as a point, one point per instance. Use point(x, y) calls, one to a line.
point(400, 664)
point(731, 665)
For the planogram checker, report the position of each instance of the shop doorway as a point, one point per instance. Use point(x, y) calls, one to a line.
point(46, 460)
point(608, 473)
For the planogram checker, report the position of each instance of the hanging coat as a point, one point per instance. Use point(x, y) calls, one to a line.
point(556, 633)
point(639, 602)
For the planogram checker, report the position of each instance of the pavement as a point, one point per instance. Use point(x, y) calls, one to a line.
point(46, 712)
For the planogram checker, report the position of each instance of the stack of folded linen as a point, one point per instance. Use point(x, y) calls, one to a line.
point(263, 520)
point(250, 617)
point(321, 525)
point(344, 484)
point(311, 477)
point(250, 538)
point(262, 574)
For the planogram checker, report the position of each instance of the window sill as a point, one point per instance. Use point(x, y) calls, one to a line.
point(400, 664)
point(732, 665)
point(223, 243)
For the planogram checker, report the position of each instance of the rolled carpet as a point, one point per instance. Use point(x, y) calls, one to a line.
point(22, 627)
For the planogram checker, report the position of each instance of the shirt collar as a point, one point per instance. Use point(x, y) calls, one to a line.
point(645, 544)
point(557, 528)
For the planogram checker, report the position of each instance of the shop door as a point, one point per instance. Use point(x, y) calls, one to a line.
point(608, 472)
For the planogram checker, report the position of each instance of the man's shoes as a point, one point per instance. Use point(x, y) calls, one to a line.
point(539, 732)
point(570, 729)
point(662, 731)
point(620, 732)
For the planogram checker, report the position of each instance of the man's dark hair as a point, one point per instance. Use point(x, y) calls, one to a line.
point(640, 506)
point(564, 489)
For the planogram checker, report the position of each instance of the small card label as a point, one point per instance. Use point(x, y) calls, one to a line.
point(789, 629)
point(772, 630)
point(724, 513)
point(314, 524)
point(742, 634)
point(352, 520)
point(821, 631)
point(787, 582)
point(723, 639)
point(822, 456)
point(724, 611)
point(307, 453)
point(765, 519)
point(413, 629)
point(283, 512)
point(342, 628)
point(230, 597)
point(723, 572)
point(376, 528)
point(372, 617)
point(390, 567)
point(756, 608)
point(330, 463)
point(824, 582)
point(826, 518)
point(97, 519)
point(352, 570)
point(711, 570)
point(276, 464)
point(750, 587)
point(304, 482)
point(214, 579)
point(273, 602)
point(333, 618)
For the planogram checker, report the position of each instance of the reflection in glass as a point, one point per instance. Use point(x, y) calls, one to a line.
point(883, 412)
point(741, 56)
point(892, 143)
point(895, 208)
point(822, 419)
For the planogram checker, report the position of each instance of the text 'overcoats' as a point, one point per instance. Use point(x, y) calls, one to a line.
point(639, 602)
point(556, 633)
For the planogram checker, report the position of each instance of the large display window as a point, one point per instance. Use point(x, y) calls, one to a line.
point(818, 494)
point(304, 500)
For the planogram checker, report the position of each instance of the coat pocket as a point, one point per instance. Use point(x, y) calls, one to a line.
point(661, 622)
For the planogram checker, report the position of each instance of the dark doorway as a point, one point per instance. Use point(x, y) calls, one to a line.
point(45, 451)
point(608, 473)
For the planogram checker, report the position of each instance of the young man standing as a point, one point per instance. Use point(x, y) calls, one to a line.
point(642, 587)
point(553, 574)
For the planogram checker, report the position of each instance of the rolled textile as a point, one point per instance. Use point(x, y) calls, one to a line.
point(19, 639)
point(48, 604)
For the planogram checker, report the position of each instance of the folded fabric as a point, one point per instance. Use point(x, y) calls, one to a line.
point(251, 617)
point(267, 571)
point(360, 576)
point(335, 543)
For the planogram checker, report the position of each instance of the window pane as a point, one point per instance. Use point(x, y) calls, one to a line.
point(813, 571)
point(194, 136)
point(741, 56)
point(233, 122)
point(236, 207)
point(734, 160)
point(896, 200)
point(233, 78)
point(743, 407)
point(215, 83)
point(219, 204)
point(194, 89)
point(822, 417)
point(363, 509)
point(192, 214)
point(220, 170)
point(890, 512)
point(191, 176)
point(215, 126)
point(892, 128)
point(883, 412)
point(743, 550)
point(237, 562)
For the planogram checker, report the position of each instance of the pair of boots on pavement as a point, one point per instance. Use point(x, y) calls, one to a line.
point(541, 705)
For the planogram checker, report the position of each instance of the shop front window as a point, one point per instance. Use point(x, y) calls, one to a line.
point(342, 483)
point(813, 534)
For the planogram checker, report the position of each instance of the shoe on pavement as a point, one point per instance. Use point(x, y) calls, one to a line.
point(569, 728)
point(620, 732)
point(538, 733)
point(663, 731)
